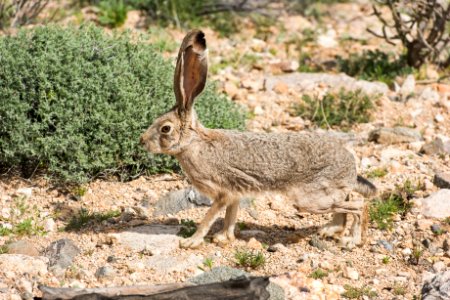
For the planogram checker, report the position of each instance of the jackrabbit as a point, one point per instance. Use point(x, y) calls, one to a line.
point(312, 169)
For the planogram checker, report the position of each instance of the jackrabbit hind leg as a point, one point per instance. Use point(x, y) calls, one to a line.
point(335, 227)
point(226, 235)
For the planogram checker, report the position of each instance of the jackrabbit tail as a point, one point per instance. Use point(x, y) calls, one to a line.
point(313, 170)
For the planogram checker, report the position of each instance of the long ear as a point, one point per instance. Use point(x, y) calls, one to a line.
point(191, 70)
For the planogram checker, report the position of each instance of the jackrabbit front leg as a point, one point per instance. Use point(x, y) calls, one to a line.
point(226, 235)
point(211, 216)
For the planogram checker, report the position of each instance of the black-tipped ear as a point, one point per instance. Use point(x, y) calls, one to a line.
point(191, 70)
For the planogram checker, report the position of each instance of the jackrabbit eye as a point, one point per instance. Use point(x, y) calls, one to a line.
point(166, 129)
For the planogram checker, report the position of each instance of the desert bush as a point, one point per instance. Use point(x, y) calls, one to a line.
point(75, 101)
point(374, 66)
point(422, 26)
point(343, 108)
point(113, 13)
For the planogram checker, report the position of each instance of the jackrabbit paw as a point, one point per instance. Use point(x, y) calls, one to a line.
point(223, 238)
point(331, 231)
point(348, 242)
point(192, 243)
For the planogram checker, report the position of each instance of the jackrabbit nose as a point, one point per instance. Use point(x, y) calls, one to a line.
point(141, 140)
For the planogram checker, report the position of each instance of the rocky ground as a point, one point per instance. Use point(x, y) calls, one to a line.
point(129, 232)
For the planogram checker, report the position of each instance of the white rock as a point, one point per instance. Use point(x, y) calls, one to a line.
point(49, 225)
point(366, 163)
point(406, 252)
point(159, 239)
point(439, 118)
point(326, 265)
point(169, 263)
point(437, 205)
point(327, 40)
point(380, 271)
point(391, 153)
point(351, 273)
point(428, 94)
point(258, 110)
point(399, 279)
point(408, 86)
point(28, 192)
point(77, 284)
point(439, 266)
point(317, 285)
point(21, 264)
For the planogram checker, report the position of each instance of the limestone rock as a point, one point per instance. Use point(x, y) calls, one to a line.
point(442, 180)
point(394, 135)
point(179, 200)
point(437, 205)
point(61, 253)
point(437, 287)
point(23, 247)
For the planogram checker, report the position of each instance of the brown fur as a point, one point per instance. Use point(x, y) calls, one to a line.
point(313, 170)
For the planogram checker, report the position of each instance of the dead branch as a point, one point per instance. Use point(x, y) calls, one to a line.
point(242, 288)
point(420, 25)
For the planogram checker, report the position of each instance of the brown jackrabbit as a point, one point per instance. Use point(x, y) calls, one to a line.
point(312, 169)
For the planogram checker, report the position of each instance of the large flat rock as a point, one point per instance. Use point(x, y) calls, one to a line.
point(169, 264)
point(437, 205)
point(158, 239)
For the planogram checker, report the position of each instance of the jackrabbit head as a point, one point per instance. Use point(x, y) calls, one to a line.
point(172, 131)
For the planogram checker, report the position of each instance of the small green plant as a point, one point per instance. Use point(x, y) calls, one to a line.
point(374, 65)
point(85, 217)
point(383, 210)
point(4, 231)
point(249, 259)
point(207, 264)
point(28, 227)
point(78, 191)
point(318, 274)
point(188, 228)
point(447, 221)
point(113, 13)
point(386, 260)
point(416, 255)
point(399, 289)
point(352, 292)
point(376, 173)
point(344, 108)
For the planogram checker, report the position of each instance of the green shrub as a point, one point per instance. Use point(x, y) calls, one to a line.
point(318, 274)
point(378, 172)
point(113, 13)
point(249, 259)
point(336, 109)
point(374, 66)
point(75, 101)
point(352, 292)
